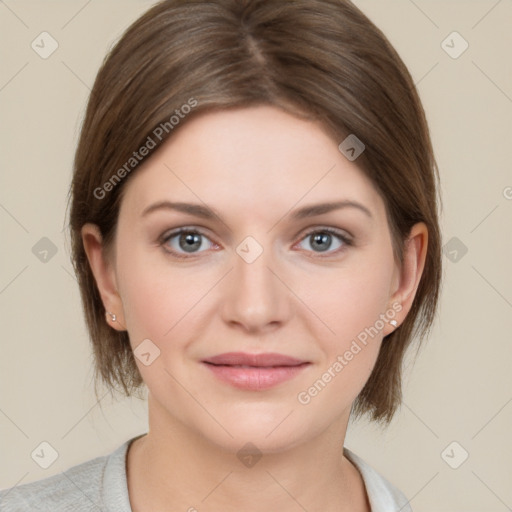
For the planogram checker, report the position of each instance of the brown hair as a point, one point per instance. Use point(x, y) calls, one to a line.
point(323, 59)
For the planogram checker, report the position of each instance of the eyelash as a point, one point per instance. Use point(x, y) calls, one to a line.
point(347, 242)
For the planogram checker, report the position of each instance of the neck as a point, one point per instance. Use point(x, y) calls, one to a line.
point(176, 468)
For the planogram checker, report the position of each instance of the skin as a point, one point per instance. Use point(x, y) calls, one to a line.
point(253, 166)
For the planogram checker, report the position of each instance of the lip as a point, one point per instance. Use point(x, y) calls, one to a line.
point(254, 371)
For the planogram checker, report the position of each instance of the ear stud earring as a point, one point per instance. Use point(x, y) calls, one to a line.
point(112, 315)
point(394, 323)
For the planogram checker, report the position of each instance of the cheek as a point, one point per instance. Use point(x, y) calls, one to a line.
point(350, 306)
point(159, 305)
point(159, 299)
point(348, 301)
point(352, 312)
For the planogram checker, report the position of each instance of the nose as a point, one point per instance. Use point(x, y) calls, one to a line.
point(256, 299)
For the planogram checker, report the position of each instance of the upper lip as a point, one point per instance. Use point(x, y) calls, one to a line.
point(256, 360)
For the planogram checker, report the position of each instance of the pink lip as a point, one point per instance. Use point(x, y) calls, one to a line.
point(254, 371)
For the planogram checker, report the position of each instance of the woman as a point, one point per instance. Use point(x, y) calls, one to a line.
point(255, 234)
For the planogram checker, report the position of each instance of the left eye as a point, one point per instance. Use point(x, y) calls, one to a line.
point(322, 240)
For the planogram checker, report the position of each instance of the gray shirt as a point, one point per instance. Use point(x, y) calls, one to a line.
point(100, 485)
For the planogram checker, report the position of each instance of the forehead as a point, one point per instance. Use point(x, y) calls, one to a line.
point(251, 159)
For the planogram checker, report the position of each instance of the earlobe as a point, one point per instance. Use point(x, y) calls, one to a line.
point(415, 252)
point(104, 274)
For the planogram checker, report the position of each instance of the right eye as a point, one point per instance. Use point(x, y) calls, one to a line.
point(183, 241)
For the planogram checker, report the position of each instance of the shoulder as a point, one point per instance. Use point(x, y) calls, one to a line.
point(81, 488)
point(76, 487)
point(383, 495)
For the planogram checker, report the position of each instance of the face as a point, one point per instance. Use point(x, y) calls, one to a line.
point(253, 269)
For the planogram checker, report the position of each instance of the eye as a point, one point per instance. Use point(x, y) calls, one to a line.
point(185, 241)
point(322, 240)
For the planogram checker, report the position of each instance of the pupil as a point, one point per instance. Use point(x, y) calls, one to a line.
point(190, 241)
point(322, 240)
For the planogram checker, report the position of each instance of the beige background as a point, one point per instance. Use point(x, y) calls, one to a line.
point(460, 386)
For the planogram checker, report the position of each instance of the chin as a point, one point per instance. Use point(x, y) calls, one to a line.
point(268, 433)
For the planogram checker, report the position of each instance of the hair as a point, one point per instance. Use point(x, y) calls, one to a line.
point(322, 60)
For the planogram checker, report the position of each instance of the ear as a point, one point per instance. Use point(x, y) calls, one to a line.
point(407, 278)
point(104, 275)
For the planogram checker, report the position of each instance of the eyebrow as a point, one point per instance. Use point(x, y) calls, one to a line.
point(205, 212)
point(319, 209)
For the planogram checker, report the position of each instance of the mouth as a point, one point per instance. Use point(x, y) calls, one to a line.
point(265, 360)
point(254, 371)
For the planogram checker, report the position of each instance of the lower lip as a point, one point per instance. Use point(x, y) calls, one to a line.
point(256, 378)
